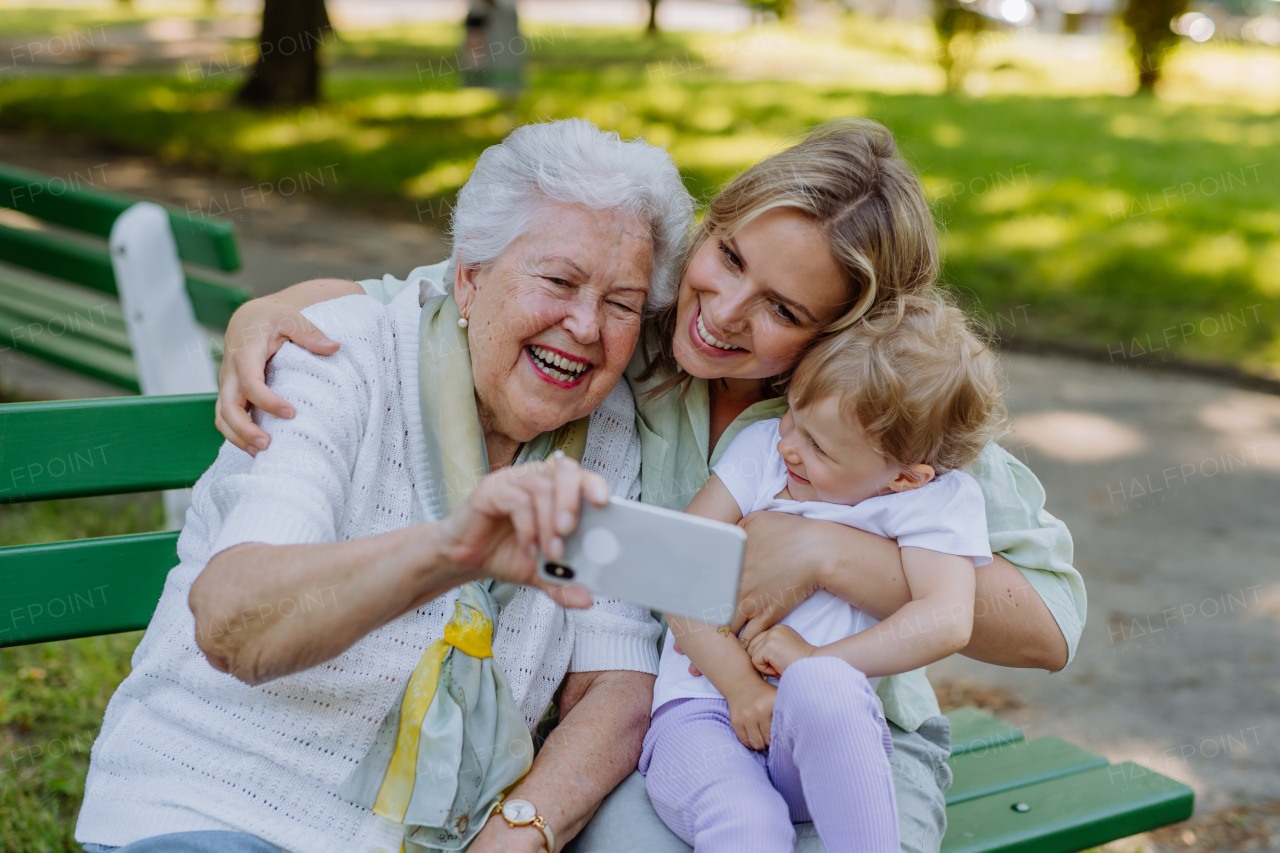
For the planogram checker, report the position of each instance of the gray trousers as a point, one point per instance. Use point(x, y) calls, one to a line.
point(627, 823)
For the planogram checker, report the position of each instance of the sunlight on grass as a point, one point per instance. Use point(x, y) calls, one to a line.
point(287, 133)
point(733, 153)
point(442, 178)
point(1041, 231)
point(1266, 270)
point(1216, 255)
point(455, 104)
point(1006, 198)
point(1145, 235)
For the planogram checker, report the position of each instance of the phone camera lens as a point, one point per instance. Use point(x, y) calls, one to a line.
point(558, 570)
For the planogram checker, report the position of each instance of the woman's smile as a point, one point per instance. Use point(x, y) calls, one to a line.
point(707, 342)
point(556, 366)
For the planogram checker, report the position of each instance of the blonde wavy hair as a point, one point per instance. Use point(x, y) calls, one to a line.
point(917, 377)
point(848, 178)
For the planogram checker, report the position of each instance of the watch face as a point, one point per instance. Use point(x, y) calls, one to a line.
point(519, 811)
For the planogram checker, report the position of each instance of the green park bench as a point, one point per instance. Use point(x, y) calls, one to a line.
point(1010, 794)
point(68, 321)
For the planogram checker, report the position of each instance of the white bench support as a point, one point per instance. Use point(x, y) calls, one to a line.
point(169, 347)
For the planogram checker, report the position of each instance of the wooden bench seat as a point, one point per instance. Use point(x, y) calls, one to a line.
point(1045, 795)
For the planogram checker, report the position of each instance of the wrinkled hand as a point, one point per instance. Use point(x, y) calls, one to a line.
point(256, 332)
point(513, 513)
point(776, 649)
point(778, 572)
point(751, 713)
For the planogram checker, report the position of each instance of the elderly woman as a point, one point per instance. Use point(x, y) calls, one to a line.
point(318, 578)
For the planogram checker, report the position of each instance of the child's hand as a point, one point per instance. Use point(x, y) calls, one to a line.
point(751, 713)
point(776, 649)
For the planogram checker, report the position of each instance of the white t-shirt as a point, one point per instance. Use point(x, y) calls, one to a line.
point(947, 514)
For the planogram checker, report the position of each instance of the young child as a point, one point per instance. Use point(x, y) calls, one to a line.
point(883, 415)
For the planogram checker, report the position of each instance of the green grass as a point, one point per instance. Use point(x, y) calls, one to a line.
point(52, 698)
point(53, 695)
point(1086, 219)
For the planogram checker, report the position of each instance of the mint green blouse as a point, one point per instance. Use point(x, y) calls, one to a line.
point(676, 460)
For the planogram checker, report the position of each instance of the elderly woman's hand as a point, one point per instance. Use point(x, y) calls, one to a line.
point(514, 513)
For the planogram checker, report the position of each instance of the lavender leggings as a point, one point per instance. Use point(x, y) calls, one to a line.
point(828, 761)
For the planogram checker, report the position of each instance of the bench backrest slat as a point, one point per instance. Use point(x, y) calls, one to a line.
point(71, 351)
point(90, 267)
point(82, 589)
point(78, 448)
point(66, 202)
point(63, 311)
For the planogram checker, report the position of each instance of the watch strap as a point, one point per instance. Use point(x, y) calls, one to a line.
point(550, 837)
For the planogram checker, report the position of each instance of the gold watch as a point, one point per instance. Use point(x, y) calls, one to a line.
point(518, 812)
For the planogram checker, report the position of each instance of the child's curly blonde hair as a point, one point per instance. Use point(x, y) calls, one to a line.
point(918, 379)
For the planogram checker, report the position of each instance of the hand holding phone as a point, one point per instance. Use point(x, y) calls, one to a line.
point(654, 557)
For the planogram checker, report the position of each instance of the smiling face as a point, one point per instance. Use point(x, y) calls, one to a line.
point(750, 303)
point(553, 321)
point(830, 459)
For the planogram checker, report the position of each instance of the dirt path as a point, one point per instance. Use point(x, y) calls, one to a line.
point(1170, 486)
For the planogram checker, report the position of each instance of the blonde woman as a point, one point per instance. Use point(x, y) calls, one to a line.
point(800, 245)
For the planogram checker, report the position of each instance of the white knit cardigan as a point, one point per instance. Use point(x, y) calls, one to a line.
point(184, 747)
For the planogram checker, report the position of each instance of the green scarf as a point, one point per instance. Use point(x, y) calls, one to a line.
point(455, 742)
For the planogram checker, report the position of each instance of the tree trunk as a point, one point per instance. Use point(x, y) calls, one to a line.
point(1148, 22)
point(287, 71)
point(1149, 68)
point(652, 29)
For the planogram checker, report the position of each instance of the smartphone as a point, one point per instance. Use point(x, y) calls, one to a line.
point(654, 557)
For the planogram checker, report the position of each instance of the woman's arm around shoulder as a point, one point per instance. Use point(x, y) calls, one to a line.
point(255, 333)
point(935, 624)
point(261, 326)
point(1032, 585)
point(1029, 601)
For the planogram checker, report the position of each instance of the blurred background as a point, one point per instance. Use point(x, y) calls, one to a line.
point(1106, 173)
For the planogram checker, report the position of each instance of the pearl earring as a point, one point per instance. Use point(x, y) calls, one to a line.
point(462, 322)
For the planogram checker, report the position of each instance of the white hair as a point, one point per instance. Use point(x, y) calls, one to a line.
point(572, 161)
